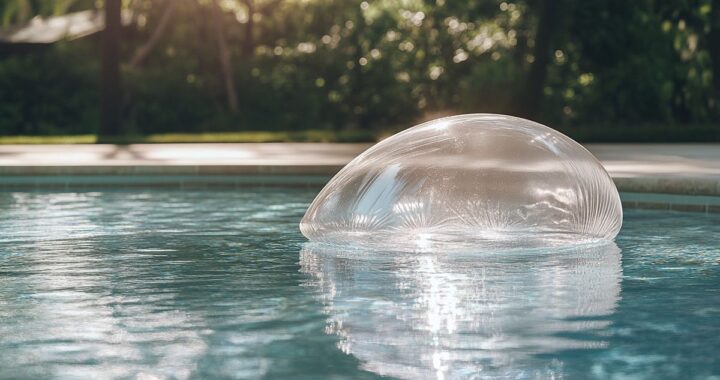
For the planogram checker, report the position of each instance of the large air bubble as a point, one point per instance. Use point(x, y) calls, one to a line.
point(469, 180)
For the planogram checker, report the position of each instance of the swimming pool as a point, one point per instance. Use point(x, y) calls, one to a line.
point(220, 283)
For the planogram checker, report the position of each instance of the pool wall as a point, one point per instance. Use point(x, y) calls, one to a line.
point(670, 194)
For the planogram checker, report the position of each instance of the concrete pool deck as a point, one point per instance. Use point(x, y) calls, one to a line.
point(640, 170)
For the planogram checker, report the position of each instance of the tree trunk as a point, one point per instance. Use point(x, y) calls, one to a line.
point(224, 56)
point(111, 90)
point(714, 50)
point(144, 51)
point(535, 82)
point(358, 102)
point(249, 43)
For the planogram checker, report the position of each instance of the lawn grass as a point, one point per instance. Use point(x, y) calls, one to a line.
point(263, 136)
point(218, 137)
point(69, 139)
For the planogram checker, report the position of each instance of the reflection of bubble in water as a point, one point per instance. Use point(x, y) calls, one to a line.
point(475, 179)
point(430, 316)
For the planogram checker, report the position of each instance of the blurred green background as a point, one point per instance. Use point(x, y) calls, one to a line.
point(350, 70)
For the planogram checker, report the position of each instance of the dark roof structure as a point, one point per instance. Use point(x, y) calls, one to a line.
point(52, 29)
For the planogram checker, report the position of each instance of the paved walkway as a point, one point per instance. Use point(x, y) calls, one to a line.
point(658, 168)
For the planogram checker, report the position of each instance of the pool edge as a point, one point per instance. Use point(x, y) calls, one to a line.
point(685, 194)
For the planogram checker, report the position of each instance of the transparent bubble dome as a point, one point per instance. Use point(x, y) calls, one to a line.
point(477, 180)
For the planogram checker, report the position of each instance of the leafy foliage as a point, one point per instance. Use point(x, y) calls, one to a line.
point(374, 65)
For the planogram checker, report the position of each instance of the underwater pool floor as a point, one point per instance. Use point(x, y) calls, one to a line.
point(220, 284)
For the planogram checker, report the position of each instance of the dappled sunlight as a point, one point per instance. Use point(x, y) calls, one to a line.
point(292, 65)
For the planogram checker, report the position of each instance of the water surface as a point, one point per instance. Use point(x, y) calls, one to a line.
point(203, 284)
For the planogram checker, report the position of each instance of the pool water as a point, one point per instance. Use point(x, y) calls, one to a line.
point(220, 284)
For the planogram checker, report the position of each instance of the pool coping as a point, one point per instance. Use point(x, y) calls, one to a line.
point(686, 174)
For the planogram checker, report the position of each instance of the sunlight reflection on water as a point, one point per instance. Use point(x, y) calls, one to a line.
point(435, 316)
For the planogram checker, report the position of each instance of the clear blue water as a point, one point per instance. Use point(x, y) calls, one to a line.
point(220, 284)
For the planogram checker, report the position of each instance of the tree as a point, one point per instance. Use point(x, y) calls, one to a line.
point(144, 51)
point(224, 56)
point(714, 50)
point(111, 96)
point(548, 20)
point(249, 43)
